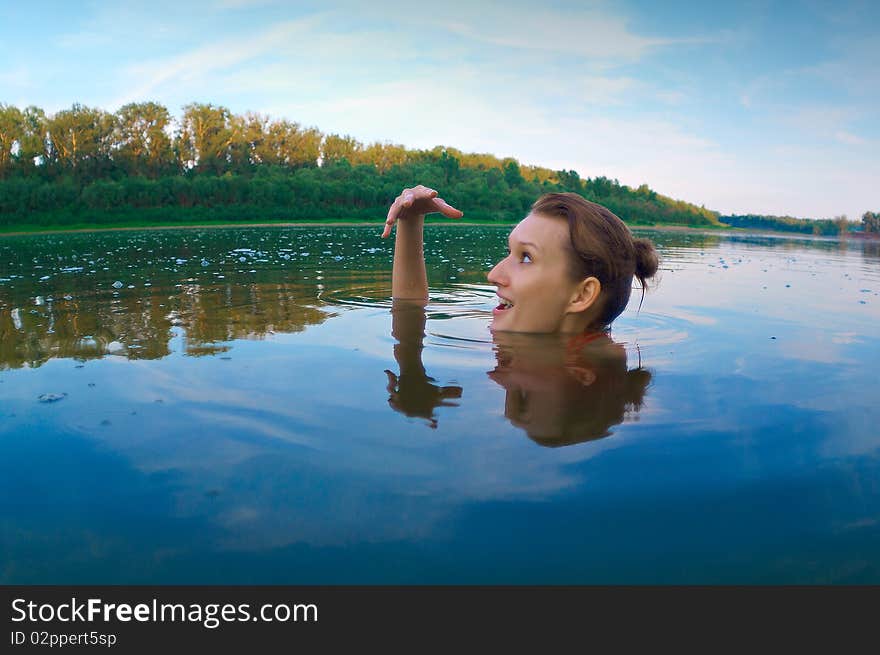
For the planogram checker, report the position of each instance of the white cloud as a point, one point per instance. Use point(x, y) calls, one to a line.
point(591, 32)
point(848, 138)
point(200, 62)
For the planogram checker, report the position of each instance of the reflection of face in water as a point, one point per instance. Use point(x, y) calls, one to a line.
point(560, 389)
point(564, 390)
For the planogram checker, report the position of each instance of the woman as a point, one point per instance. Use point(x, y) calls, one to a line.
point(569, 269)
point(567, 276)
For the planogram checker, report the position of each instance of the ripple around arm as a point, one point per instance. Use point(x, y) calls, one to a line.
point(456, 300)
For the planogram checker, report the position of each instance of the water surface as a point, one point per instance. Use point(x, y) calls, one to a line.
point(243, 405)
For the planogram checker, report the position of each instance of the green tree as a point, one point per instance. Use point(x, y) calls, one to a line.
point(80, 141)
point(11, 128)
point(570, 180)
point(512, 174)
point(871, 222)
point(248, 135)
point(450, 165)
point(382, 156)
point(205, 138)
point(335, 148)
point(294, 145)
point(142, 144)
point(32, 142)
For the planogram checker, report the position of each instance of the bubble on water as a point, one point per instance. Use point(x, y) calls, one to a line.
point(179, 261)
point(205, 262)
point(242, 259)
point(67, 296)
point(117, 285)
point(51, 397)
point(44, 278)
point(131, 286)
point(39, 300)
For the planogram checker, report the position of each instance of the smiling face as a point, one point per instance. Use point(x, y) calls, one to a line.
point(534, 283)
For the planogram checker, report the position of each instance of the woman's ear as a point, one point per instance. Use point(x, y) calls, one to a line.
point(586, 294)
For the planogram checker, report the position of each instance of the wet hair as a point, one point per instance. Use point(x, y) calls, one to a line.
point(603, 247)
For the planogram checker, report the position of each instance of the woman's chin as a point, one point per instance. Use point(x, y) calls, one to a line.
point(500, 322)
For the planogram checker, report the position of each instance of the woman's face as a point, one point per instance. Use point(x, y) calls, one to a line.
point(533, 281)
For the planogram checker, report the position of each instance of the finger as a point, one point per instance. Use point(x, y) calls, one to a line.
point(408, 199)
point(450, 392)
point(392, 381)
point(446, 209)
point(392, 216)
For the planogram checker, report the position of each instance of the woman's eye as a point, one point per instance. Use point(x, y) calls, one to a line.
point(526, 258)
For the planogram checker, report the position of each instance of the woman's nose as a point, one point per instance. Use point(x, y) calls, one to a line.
point(496, 275)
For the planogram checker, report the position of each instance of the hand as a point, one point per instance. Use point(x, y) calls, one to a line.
point(418, 201)
point(416, 396)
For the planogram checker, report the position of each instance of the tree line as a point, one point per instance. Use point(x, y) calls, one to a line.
point(871, 222)
point(821, 227)
point(86, 165)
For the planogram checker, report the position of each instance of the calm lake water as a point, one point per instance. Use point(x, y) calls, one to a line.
point(242, 405)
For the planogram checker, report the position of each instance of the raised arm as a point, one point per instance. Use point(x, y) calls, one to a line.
point(409, 279)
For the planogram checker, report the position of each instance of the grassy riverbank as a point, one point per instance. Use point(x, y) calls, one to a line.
point(17, 230)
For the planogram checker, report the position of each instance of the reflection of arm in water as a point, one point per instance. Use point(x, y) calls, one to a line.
point(413, 392)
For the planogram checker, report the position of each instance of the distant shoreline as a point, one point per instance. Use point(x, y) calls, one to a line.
point(41, 229)
point(62, 229)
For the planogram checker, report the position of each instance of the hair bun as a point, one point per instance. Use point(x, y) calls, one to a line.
point(647, 260)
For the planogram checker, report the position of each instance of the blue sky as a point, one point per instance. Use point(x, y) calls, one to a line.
point(761, 107)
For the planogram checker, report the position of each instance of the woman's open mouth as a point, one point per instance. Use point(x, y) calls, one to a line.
point(502, 307)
